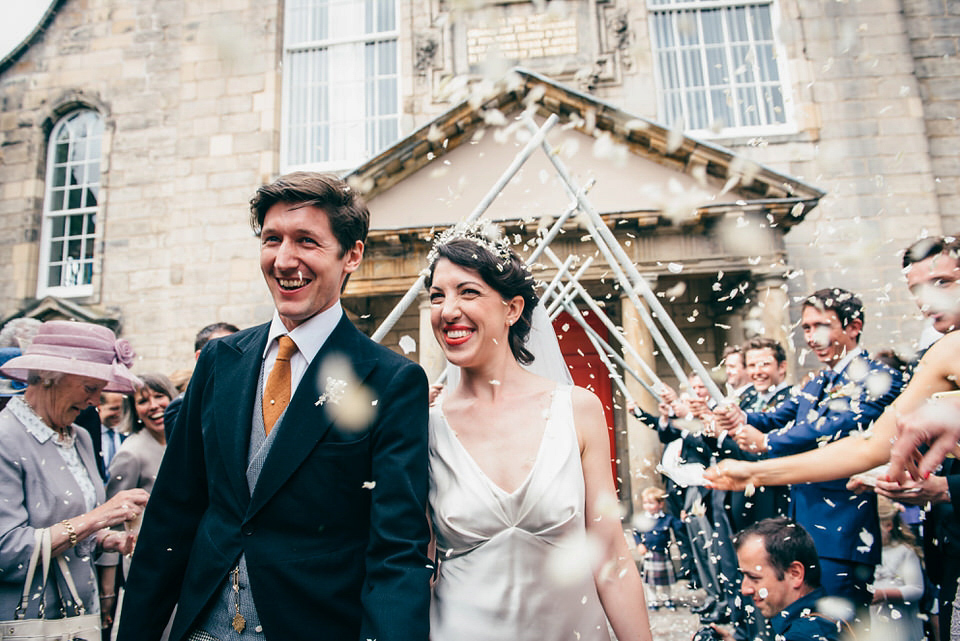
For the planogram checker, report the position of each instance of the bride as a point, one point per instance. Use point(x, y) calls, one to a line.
point(524, 509)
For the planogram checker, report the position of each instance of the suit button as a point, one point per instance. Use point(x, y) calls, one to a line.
point(248, 531)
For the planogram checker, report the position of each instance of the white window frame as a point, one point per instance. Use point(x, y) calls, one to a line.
point(728, 130)
point(55, 208)
point(358, 140)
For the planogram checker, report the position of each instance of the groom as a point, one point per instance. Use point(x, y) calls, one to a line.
point(291, 500)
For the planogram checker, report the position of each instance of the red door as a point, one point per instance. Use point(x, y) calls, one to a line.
point(586, 367)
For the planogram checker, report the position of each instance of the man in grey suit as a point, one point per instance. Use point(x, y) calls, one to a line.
point(291, 502)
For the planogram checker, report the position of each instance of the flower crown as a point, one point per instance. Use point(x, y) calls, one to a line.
point(482, 232)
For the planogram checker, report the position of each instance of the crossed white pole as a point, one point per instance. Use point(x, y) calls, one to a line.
point(561, 297)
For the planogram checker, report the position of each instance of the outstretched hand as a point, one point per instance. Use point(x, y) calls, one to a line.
point(936, 424)
point(729, 474)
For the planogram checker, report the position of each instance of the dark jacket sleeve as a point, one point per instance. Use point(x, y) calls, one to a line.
point(835, 418)
point(176, 505)
point(396, 595)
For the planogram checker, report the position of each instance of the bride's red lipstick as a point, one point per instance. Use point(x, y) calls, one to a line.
point(461, 334)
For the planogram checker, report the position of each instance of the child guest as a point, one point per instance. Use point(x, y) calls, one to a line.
point(653, 542)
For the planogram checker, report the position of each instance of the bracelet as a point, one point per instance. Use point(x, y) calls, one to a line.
point(71, 533)
point(107, 596)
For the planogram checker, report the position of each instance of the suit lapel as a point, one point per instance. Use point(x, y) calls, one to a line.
point(237, 373)
point(306, 422)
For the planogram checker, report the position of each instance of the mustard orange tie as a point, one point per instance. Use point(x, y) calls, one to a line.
point(276, 395)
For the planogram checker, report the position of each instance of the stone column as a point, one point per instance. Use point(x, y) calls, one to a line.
point(430, 355)
point(771, 316)
point(643, 445)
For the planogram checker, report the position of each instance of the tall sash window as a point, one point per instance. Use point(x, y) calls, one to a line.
point(340, 82)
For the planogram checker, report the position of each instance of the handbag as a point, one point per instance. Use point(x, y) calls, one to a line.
point(79, 627)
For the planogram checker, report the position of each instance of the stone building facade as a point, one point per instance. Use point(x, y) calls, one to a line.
point(194, 100)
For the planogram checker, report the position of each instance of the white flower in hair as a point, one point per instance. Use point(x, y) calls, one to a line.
point(482, 232)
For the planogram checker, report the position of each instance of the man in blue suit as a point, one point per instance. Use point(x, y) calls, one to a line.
point(847, 395)
point(291, 502)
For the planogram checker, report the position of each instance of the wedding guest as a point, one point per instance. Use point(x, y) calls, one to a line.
point(653, 543)
point(846, 396)
point(48, 472)
point(782, 574)
point(895, 613)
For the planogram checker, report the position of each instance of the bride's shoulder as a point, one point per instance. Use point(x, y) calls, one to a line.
point(585, 402)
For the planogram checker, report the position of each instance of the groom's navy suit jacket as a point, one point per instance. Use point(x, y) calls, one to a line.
point(335, 532)
point(843, 525)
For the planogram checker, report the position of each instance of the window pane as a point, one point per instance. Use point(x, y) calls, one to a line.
point(687, 28)
point(59, 224)
point(716, 66)
point(663, 30)
point(74, 198)
point(761, 23)
point(56, 250)
point(56, 203)
point(766, 64)
point(712, 27)
point(53, 276)
point(692, 68)
point(723, 113)
point(742, 65)
point(62, 152)
point(699, 113)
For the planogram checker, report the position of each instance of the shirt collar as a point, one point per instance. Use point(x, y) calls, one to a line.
point(849, 356)
point(34, 425)
point(739, 391)
point(801, 607)
point(770, 393)
point(309, 335)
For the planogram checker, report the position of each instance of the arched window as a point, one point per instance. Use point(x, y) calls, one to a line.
point(70, 206)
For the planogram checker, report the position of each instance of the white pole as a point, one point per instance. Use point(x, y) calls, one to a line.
point(610, 325)
point(599, 227)
point(535, 141)
point(607, 350)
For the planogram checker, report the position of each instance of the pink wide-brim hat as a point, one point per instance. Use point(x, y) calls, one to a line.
point(83, 349)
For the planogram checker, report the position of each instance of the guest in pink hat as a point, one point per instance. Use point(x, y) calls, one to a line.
point(48, 470)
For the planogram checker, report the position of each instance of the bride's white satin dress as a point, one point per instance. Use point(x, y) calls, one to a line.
point(496, 548)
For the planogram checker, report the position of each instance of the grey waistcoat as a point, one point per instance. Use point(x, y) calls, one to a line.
point(219, 618)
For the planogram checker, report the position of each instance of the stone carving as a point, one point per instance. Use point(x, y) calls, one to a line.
point(425, 52)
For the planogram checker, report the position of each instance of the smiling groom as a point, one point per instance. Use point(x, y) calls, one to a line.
point(273, 515)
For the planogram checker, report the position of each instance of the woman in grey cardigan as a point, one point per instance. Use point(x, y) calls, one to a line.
point(48, 471)
point(138, 459)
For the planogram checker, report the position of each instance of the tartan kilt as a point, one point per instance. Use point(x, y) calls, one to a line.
point(658, 569)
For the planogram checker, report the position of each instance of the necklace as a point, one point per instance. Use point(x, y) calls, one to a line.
point(64, 439)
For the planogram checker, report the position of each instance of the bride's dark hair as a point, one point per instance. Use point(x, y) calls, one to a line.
point(508, 276)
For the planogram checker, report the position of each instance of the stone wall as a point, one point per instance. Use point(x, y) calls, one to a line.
point(933, 28)
point(189, 92)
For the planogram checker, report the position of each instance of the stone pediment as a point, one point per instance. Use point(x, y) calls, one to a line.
point(53, 308)
point(643, 170)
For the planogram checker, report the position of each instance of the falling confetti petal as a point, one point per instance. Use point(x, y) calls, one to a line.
point(407, 344)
